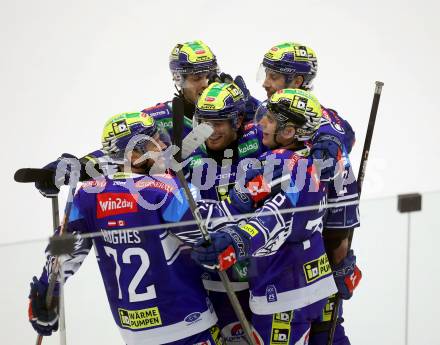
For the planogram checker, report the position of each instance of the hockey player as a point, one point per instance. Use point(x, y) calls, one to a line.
point(290, 276)
point(153, 288)
point(193, 66)
point(295, 65)
point(213, 169)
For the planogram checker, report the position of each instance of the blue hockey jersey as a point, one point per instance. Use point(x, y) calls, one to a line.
point(153, 287)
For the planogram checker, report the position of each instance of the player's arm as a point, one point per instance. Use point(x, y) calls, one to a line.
point(92, 165)
point(42, 318)
point(338, 223)
point(332, 142)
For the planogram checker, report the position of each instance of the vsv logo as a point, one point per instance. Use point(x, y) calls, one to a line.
point(110, 204)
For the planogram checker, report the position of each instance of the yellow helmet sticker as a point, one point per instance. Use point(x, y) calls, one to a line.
point(215, 95)
point(119, 125)
point(299, 51)
point(196, 51)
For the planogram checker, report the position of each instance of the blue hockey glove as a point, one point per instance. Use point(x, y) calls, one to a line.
point(327, 153)
point(50, 188)
point(347, 275)
point(227, 78)
point(227, 246)
point(44, 321)
point(239, 81)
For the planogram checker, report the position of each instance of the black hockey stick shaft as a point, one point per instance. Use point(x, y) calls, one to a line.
point(360, 181)
point(55, 217)
point(178, 118)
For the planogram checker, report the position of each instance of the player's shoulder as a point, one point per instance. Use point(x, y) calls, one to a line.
point(302, 153)
point(159, 110)
point(156, 184)
point(249, 141)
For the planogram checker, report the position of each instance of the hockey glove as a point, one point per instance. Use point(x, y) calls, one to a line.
point(327, 153)
point(51, 188)
point(227, 78)
point(227, 246)
point(347, 275)
point(44, 321)
point(258, 186)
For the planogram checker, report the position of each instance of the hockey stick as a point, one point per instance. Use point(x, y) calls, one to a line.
point(360, 181)
point(32, 175)
point(26, 175)
point(177, 136)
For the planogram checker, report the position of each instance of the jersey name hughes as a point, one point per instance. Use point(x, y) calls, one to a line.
point(123, 236)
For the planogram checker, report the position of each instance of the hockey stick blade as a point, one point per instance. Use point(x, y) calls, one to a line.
point(27, 175)
point(195, 138)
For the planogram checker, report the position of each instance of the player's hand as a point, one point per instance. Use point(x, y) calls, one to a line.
point(227, 78)
point(51, 188)
point(43, 320)
point(347, 275)
point(226, 247)
point(327, 153)
point(258, 185)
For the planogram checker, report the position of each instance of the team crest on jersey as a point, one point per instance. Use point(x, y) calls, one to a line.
point(271, 294)
point(111, 204)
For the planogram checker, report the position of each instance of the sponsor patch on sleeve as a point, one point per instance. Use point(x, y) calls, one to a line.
point(249, 229)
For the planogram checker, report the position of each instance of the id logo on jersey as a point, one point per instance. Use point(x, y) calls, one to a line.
point(139, 319)
point(284, 317)
point(316, 269)
point(280, 336)
point(110, 204)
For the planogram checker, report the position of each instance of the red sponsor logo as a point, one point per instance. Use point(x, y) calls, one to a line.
point(352, 281)
point(209, 99)
point(279, 151)
point(154, 184)
point(249, 126)
point(274, 49)
point(113, 223)
point(111, 204)
point(258, 188)
point(94, 183)
point(292, 161)
point(159, 106)
point(200, 51)
point(227, 258)
point(168, 176)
